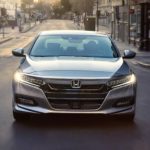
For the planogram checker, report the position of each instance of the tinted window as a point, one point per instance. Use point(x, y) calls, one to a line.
point(74, 45)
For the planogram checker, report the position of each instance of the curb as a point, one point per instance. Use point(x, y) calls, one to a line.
point(6, 40)
point(145, 65)
point(10, 38)
point(29, 29)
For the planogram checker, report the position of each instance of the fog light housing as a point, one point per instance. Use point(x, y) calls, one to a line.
point(124, 102)
point(25, 101)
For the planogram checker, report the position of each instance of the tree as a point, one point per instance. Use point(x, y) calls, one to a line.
point(43, 8)
point(58, 9)
point(66, 5)
point(25, 4)
point(27, 1)
point(82, 6)
point(61, 7)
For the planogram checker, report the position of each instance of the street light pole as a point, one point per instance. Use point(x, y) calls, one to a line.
point(3, 28)
point(3, 18)
point(16, 11)
point(128, 21)
point(97, 19)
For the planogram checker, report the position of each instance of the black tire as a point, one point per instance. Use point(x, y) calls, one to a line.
point(21, 116)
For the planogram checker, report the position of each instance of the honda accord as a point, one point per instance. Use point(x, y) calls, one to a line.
point(76, 72)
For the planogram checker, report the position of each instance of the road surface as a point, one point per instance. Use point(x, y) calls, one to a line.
point(67, 132)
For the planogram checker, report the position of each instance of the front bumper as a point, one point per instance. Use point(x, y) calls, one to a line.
point(123, 93)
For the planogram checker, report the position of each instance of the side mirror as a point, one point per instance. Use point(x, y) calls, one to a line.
point(129, 54)
point(19, 52)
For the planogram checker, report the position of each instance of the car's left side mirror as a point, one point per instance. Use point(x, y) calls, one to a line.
point(19, 52)
point(129, 54)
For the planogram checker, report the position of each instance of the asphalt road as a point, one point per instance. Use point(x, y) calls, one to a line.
point(67, 132)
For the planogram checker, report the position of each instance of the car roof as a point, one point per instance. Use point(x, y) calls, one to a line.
point(71, 32)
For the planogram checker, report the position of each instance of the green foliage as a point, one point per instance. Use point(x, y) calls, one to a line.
point(58, 10)
point(66, 5)
point(61, 7)
point(43, 7)
point(27, 2)
point(82, 6)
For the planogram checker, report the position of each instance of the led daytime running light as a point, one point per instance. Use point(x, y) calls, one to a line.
point(126, 80)
point(27, 79)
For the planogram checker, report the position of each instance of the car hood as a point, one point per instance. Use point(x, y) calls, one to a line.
point(72, 67)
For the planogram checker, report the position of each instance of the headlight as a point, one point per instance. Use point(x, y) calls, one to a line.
point(19, 77)
point(130, 79)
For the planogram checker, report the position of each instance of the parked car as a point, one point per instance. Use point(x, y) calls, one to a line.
point(77, 72)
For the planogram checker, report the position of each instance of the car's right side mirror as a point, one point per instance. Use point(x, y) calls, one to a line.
point(19, 52)
point(129, 54)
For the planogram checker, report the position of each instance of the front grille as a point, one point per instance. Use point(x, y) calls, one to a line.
point(75, 105)
point(63, 97)
point(68, 86)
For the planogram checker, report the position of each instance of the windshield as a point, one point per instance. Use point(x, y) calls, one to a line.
point(73, 45)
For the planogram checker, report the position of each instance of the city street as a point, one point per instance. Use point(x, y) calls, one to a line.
point(69, 132)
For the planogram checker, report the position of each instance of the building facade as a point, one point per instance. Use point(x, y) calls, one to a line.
point(140, 23)
point(105, 10)
point(120, 20)
point(11, 6)
point(129, 20)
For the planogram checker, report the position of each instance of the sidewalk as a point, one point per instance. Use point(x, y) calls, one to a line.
point(142, 58)
point(10, 33)
point(28, 26)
